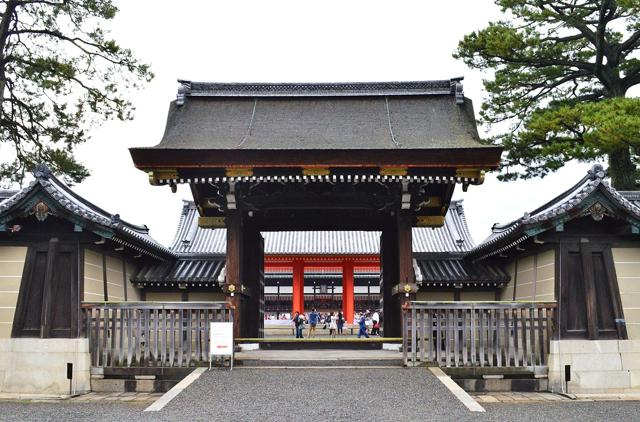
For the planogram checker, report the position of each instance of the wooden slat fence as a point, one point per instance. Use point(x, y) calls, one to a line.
point(151, 334)
point(478, 334)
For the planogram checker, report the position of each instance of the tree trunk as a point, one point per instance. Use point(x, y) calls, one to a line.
point(622, 170)
point(10, 8)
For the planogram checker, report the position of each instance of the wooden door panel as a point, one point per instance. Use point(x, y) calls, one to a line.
point(606, 316)
point(48, 302)
point(590, 299)
point(33, 284)
point(575, 309)
point(62, 281)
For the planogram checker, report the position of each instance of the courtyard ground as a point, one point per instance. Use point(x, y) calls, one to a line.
point(334, 394)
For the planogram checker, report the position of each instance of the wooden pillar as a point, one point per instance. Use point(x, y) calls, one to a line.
point(396, 269)
point(233, 268)
point(244, 274)
point(297, 302)
point(347, 290)
point(252, 280)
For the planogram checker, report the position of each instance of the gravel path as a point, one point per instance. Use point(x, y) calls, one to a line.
point(371, 394)
point(318, 394)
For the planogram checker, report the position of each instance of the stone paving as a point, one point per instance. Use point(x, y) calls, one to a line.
point(526, 397)
point(320, 355)
point(117, 397)
point(513, 397)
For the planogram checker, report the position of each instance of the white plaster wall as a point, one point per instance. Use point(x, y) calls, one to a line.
point(115, 279)
point(207, 297)
point(163, 297)
point(597, 366)
point(435, 296)
point(481, 296)
point(11, 265)
point(93, 277)
point(536, 278)
point(507, 292)
point(627, 265)
point(39, 366)
point(133, 293)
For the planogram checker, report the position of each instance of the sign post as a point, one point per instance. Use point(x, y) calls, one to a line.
point(221, 341)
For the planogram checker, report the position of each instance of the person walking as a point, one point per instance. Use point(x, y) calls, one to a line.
point(314, 317)
point(375, 329)
point(363, 326)
point(298, 322)
point(339, 322)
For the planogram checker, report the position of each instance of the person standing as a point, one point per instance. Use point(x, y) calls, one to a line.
point(339, 322)
point(298, 322)
point(363, 326)
point(333, 325)
point(375, 329)
point(313, 321)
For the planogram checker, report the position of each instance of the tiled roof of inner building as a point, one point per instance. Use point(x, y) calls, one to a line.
point(506, 236)
point(184, 270)
point(334, 116)
point(66, 199)
point(454, 236)
point(631, 196)
point(6, 193)
point(454, 269)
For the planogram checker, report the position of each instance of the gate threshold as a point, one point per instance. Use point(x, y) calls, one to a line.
point(284, 343)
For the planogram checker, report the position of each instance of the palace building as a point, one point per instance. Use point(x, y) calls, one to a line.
point(333, 196)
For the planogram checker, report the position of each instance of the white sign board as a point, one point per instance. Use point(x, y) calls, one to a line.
point(221, 339)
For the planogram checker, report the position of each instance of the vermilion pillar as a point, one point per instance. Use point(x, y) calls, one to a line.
point(297, 304)
point(347, 290)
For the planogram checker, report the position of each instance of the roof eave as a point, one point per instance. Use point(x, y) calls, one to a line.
point(482, 157)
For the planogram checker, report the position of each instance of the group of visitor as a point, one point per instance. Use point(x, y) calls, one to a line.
point(332, 321)
point(368, 324)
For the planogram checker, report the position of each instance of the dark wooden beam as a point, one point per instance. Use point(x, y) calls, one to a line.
point(157, 158)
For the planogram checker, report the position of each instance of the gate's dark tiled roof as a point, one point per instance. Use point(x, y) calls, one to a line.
point(337, 116)
point(61, 197)
point(572, 203)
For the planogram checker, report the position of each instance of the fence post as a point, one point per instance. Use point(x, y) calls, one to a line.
point(404, 337)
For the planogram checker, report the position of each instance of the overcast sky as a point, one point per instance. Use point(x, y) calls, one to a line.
point(288, 41)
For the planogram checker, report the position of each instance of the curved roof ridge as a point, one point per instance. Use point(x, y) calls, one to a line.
point(509, 235)
point(316, 89)
point(80, 207)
